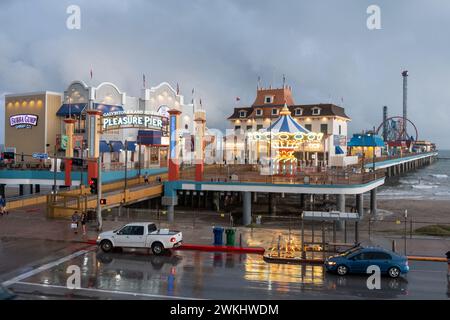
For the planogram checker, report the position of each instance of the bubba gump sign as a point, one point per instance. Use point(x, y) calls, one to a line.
point(21, 121)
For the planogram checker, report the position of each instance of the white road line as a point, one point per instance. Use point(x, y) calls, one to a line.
point(43, 268)
point(134, 294)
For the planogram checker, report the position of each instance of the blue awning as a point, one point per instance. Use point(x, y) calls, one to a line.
point(104, 146)
point(105, 108)
point(366, 140)
point(131, 146)
point(117, 146)
point(72, 108)
point(338, 150)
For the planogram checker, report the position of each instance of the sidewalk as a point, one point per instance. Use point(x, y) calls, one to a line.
point(31, 223)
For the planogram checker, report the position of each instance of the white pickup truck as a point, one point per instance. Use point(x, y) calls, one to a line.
point(140, 235)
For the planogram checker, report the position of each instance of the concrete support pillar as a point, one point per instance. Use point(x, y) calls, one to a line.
point(373, 201)
point(31, 189)
point(21, 190)
point(341, 208)
point(170, 202)
point(302, 201)
point(341, 202)
point(247, 208)
point(37, 188)
point(255, 197)
point(170, 213)
point(360, 204)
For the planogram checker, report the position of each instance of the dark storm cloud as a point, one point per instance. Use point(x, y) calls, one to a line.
point(220, 48)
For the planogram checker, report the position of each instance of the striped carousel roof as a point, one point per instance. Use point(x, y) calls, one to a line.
point(285, 123)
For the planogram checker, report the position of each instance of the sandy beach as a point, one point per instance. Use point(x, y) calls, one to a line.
point(419, 210)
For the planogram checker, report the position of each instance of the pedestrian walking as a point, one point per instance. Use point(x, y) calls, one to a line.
point(146, 178)
point(74, 223)
point(3, 206)
point(83, 220)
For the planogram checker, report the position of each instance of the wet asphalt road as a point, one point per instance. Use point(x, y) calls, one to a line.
point(208, 275)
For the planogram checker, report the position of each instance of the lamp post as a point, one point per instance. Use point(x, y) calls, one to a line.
point(126, 164)
point(139, 156)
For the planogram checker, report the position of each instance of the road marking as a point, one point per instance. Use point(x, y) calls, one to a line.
point(43, 268)
point(134, 294)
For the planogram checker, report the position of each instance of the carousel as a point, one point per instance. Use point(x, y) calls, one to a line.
point(283, 139)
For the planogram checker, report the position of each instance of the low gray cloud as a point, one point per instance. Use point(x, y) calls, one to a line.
point(220, 48)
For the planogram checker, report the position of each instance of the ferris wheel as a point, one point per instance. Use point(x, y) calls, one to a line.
point(395, 129)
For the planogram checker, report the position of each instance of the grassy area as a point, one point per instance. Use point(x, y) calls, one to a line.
point(434, 230)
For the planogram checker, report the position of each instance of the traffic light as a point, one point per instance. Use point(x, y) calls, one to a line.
point(102, 201)
point(93, 185)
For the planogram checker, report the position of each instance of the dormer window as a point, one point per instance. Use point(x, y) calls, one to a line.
point(316, 111)
point(242, 114)
point(274, 111)
point(259, 112)
point(298, 112)
point(268, 99)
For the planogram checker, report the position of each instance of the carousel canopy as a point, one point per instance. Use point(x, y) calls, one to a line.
point(285, 123)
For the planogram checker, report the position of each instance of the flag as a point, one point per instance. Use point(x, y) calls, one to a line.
point(178, 89)
point(200, 101)
point(238, 99)
point(284, 80)
point(192, 90)
point(91, 74)
point(143, 79)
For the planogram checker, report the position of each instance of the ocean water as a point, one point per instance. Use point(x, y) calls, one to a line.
point(431, 182)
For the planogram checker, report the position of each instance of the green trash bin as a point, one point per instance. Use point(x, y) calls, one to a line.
point(231, 236)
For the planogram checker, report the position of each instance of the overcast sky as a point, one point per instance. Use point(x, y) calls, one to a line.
point(221, 47)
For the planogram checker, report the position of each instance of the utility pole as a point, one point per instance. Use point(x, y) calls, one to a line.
point(99, 193)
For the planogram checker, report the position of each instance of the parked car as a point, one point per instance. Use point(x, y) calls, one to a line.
point(140, 235)
point(358, 259)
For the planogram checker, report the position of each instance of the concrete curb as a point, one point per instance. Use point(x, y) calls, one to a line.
point(200, 247)
point(243, 250)
point(321, 261)
point(292, 260)
point(434, 259)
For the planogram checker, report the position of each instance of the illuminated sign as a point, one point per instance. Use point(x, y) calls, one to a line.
point(23, 121)
point(133, 119)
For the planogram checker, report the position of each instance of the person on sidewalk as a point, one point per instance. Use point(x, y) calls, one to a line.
point(3, 205)
point(146, 178)
point(75, 220)
point(83, 220)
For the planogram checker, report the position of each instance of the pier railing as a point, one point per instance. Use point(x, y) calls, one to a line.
point(251, 174)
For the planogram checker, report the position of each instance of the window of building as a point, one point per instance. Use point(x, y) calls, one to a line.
point(237, 128)
point(259, 126)
point(316, 111)
point(259, 112)
point(308, 126)
point(268, 99)
point(242, 114)
point(340, 129)
point(324, 128)
point(298, 111)
point(249, 128)
point(274, 111)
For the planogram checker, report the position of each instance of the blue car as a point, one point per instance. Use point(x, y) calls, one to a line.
point(358, 259)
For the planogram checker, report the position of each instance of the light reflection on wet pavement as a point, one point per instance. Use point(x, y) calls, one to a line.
point(209, 275)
